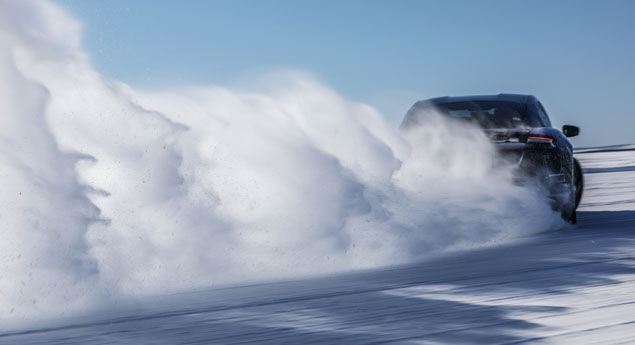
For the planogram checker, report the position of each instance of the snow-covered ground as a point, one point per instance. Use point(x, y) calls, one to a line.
point(571, 286)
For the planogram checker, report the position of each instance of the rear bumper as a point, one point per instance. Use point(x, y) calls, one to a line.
point(541, 167)
point(556, 188)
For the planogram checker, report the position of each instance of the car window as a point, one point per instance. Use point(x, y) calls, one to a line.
point(543, 115)
point(487, 114)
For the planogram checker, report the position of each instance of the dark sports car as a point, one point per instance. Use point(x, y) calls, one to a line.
point(521, 131)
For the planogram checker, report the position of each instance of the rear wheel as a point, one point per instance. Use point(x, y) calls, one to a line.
point(570, 217)
point(578, 181)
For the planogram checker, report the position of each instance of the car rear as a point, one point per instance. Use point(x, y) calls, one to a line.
point(522, 139)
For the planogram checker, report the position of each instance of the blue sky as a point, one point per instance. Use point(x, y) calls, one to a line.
point(576, 56)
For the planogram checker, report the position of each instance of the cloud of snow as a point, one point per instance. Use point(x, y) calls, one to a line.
point(110, 191)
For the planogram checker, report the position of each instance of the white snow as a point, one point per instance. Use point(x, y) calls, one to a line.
point(112, 195)
point(571, 286)
point(110, 192)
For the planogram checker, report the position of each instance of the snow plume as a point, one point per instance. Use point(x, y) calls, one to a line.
point(109, 191)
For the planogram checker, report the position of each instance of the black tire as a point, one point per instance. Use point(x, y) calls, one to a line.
point(573, 219)
point(570, 217)
point(578, 181)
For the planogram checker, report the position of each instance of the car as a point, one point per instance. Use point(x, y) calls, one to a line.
point(520, 130)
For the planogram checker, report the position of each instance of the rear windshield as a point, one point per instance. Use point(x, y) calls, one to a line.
point(487, 114)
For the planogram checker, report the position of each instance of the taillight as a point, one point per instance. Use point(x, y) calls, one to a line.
point(541, 140)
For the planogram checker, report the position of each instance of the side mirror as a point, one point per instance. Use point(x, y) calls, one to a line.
point(570, 131)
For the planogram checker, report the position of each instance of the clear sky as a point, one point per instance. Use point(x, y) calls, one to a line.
point(578, 57)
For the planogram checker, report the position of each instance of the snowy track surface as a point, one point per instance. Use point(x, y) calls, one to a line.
point(571, 286)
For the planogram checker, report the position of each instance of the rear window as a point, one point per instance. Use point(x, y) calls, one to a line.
point(487, 114)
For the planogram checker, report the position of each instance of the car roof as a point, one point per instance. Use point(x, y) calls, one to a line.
point(503, 97)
